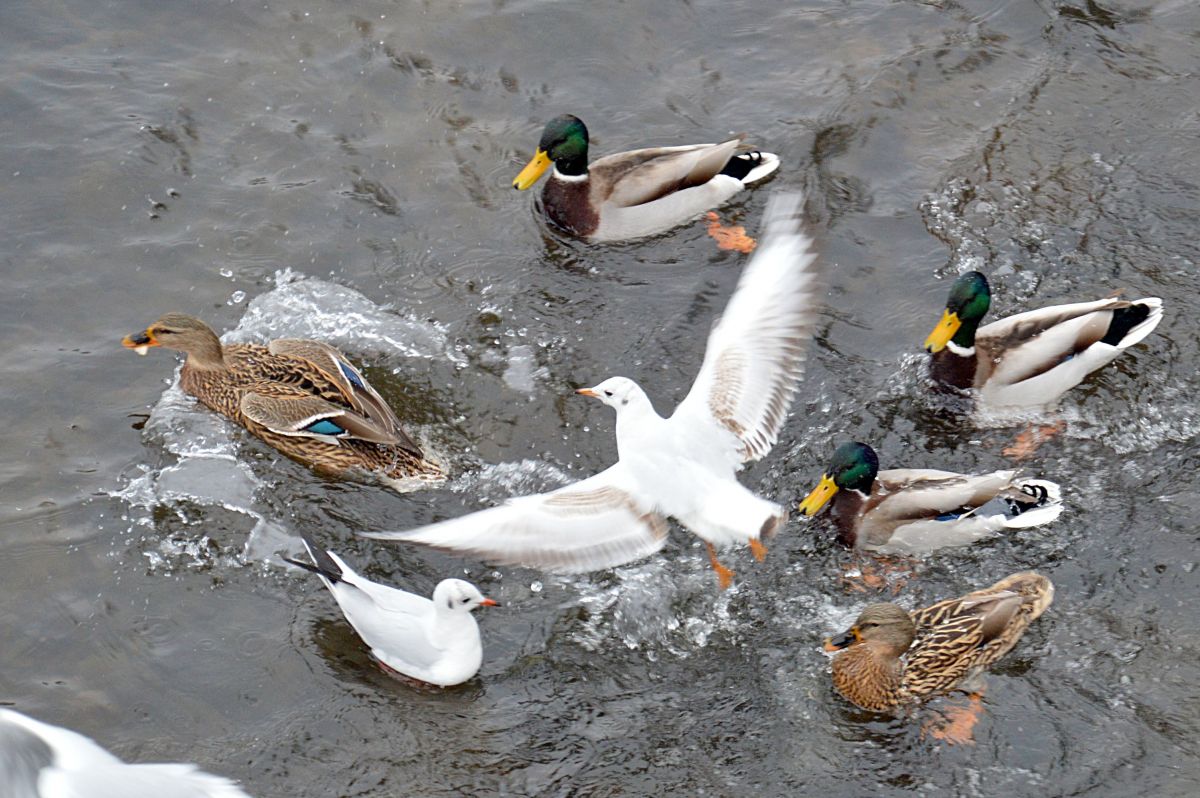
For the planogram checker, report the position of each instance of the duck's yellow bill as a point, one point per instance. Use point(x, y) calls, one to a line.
point(943, 332)
point(532, 171)
point(819, 496)
point(139, 342)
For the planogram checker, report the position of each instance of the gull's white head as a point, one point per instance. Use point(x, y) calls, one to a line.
point(616, 392)
point(455, 595)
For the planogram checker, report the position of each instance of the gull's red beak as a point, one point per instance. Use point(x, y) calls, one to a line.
point(487, 602)
point(588, 392)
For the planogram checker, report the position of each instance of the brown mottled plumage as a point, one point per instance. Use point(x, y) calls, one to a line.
point(942, 645)
point(301, 397)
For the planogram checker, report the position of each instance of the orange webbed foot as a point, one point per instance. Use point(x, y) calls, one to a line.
point(758, 549)
point(729, 236)
point(877, 572)
point(957, 724)
point(1029, 439)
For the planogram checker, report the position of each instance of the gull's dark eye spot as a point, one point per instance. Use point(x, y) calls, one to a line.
point(464, 601)
point(608, 393)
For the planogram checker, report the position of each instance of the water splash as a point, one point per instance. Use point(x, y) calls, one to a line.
point(171, 503)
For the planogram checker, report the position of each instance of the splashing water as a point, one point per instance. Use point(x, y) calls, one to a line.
point(205, 474)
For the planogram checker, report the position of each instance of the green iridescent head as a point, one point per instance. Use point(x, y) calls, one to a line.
point(970, 298)
point(853, 467)
point(564, 143)
point(565, 138)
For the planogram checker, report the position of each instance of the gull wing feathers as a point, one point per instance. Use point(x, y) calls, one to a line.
point(755, 353)
point(146, 781)
point(597, 523)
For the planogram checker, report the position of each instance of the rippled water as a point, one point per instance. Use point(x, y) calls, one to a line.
point(342, 170)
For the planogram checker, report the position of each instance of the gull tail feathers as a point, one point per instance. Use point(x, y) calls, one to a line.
point(323, 563)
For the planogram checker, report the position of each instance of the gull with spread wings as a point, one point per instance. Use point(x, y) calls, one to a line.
point(683, 466)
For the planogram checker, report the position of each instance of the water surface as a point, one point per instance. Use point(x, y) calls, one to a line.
point(343, 170)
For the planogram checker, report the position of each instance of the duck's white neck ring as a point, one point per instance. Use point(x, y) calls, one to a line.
point(961, 351)
point(557, 175)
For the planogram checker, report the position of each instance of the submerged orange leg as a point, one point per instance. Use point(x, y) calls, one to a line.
point(728, 236)
point(724, 575)
point(1029, 439)
point(879, 571)
point(760, 551)
point(957, 724)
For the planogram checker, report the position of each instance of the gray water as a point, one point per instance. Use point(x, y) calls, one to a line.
point(343, 170)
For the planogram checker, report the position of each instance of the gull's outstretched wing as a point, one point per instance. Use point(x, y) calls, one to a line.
point(755, 354)
point(600, 522)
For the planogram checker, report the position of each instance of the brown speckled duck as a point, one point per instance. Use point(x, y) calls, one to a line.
point(942, 645)
point(301, 397)
point(636, 193)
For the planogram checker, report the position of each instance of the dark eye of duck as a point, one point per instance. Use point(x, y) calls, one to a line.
point(162, 331)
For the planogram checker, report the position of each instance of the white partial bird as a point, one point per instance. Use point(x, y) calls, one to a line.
point(683, 466)
point(38, 760)
point(434, 641)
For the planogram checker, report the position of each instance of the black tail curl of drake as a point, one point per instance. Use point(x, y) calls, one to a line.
point(742, 164)
point(1124, 320)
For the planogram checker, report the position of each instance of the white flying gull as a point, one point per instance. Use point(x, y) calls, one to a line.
point(38, 760)
point(434, 641)
point(684, 466)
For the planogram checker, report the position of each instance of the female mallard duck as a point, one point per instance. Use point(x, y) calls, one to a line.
point(636, 193)
point(301, 397)
point(1032, 358)
point(916, 510)
point(943, 645)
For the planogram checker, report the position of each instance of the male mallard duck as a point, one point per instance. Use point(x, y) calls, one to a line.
point(1032, 358)
point(302, 397)
point(916, 510)
point(636, 193)
point(943, 645)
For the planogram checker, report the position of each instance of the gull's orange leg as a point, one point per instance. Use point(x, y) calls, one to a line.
point(724, 575)
point(760, 551)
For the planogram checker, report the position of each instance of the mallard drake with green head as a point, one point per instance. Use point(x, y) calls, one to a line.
point(890, 657)
point(301, 397)
point(917, 510)
point(1033, 358)
point(639, 192)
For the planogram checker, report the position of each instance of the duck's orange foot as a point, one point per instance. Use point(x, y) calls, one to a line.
point(729, 236)
point(1029, 439)
point(724, 575)
point(957, 724)
point(877, 572)
point(758, 549)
